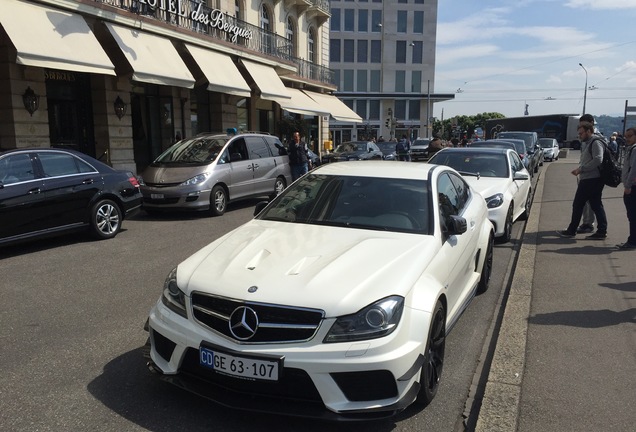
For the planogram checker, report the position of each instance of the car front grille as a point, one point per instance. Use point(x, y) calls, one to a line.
point(276, 324)
point(161, 200)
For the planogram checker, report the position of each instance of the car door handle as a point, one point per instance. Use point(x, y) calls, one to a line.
point(255, 166)
point(88, 181)
point(34, 191)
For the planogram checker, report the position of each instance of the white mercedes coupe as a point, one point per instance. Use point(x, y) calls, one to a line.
point(499, 176)
point(334, 302)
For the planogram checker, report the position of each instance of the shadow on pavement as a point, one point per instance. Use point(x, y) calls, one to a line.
point(627, 286)
point(130, 390)
point(585, 319)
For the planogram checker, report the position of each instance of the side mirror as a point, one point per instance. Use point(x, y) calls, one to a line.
point(457, 226)
point(518, 175)
point(260, 206)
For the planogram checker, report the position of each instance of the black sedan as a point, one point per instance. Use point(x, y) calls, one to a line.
point(354, 150)
point(45, 191)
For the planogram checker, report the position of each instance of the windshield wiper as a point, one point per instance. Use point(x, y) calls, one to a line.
point(469, 173)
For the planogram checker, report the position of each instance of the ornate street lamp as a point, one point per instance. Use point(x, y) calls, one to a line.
point(31, 101)
point(120, 107)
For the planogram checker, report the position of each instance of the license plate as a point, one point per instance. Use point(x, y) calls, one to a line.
point(255, 368)
point(156, 196)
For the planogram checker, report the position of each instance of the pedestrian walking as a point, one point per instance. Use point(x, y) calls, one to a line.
point(590, 185)
point(587, 226)
point(298, 157)
point(402, 149)
point(629, 182)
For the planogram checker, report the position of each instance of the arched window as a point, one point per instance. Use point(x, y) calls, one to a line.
point(265, 25)
point(238, 13)
point(290, 34)
point(267, 43)
point(311, 45)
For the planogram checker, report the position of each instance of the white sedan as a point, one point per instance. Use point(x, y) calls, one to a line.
point(335, 300)
point(499, 176)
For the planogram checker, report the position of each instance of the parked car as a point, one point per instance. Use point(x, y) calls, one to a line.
point(550, 148)
point(388, 150)
point(499, 176)
point(281, 309)
point(208, 171)
point(531, 139)
point(516, 144)
point(419, 149)
point(46, 191)
point(354, 150)
point(314, 158)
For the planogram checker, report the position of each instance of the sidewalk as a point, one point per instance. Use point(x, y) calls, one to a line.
point(566, 352)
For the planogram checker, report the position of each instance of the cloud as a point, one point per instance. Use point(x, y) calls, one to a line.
point(601, 4)
point(450, 55)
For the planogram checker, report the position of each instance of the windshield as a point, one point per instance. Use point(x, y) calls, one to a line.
point(486, 165)
point(384, 204)
point(526, 137)
point(351, 147)
point(546, 143)
point(386, 147)
point(195, 150)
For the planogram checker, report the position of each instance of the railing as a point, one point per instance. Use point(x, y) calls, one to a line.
point(198, 17)
point(322, 4)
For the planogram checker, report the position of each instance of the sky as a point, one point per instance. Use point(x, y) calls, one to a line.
point(499, 55)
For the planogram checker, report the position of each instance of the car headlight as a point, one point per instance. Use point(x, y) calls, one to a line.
point(140, 180)
point(173, 298)
point(374, 321)
point(200, 178)
point(495, 201)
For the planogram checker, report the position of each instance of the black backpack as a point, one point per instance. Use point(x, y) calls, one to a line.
point(610, 168)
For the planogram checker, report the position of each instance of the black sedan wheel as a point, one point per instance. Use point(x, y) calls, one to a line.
point(526, 210)
point(433, 357)
point(105, 219)
point(507, 234)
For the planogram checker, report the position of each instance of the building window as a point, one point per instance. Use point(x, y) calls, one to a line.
point(336, 78)
point(414, 110)
point(335, 19)
point(348, 80)
point(349, 51)
point(361, 108)
point(402, 1)
point(334, 51)
point(400, 51)
point(418, 22)
point(363, 20)
point(267, 42)
point(401, 21)
point(375, 81)
point(311, 48)
point(349, 19)
point(362, 81)
point(291, 37)
point(374, 109)
point(376, 51)
point(400, 109)
point(238, 12)
point(376, 21)
point(416, 81)
point(363, 49)
point(400, 81)
point(417, 47)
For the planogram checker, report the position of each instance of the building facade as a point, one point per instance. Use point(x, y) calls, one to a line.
point(122, 80)
point(382, 53)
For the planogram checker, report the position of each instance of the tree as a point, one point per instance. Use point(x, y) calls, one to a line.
point(290, 124)
point(458, 126)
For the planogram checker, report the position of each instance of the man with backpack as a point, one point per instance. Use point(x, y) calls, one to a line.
point(629, 183)
point(402, 149)
point(590, 187)
point(587, 227)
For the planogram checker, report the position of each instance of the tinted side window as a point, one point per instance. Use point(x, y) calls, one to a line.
point(238, 150)
point(257, 148)
point(275, 146)
point(448, 200)
point(515, 162)
point(463, 191)
point(60, 164)
point(16, 168)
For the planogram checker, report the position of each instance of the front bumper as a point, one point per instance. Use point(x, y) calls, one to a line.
point(173, 198)
point(338, 381)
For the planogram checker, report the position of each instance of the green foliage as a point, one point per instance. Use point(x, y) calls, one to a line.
point(289, 124)
point(458, 126)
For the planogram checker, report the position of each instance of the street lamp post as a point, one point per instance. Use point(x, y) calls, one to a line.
point(585, 91)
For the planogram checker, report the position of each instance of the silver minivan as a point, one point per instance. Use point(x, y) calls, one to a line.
point(209, 170)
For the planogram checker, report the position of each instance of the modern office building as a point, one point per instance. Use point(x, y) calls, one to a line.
point(383, 57)
point(122, 80)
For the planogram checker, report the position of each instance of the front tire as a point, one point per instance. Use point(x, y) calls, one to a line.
point(106, 219)
point(526, 210)
point(507, 234)
point(486, 269)
point(218, 201)
point(433, 357)
point(279, 187)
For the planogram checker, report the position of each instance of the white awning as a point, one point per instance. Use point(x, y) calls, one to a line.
point(153, 59)
point(52, 38)
point(220, 71)
point(267, 81)
point(335, 107)
point(300, 103)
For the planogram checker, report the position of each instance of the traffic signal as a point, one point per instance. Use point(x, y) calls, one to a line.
point(388, 122)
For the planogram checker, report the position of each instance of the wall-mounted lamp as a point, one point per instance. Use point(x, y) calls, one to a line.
point(31, 101)
point(120, 107)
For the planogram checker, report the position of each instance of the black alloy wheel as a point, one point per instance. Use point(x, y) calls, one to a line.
point(105, 219)
point(526, 210)
point(507, 235)
point(486, 269)
point(431, 373)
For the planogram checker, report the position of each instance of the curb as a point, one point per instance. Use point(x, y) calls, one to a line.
point(499, 410)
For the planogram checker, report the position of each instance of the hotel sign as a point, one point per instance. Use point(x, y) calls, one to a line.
point(215, 18)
